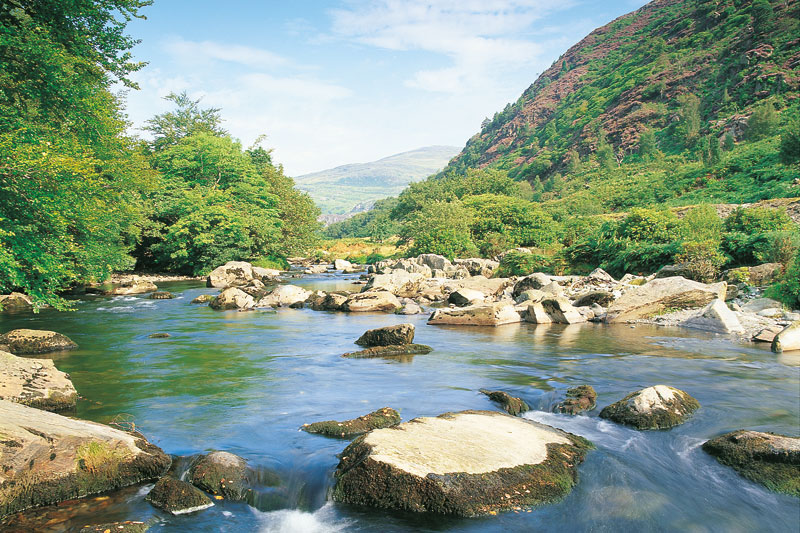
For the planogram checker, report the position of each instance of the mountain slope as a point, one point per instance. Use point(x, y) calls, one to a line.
point(338, 190)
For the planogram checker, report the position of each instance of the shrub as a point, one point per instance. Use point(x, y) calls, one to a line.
point(778, 247)
point(790, 143)
point(441, 228)
point(271, 261)
point(650, 225)
point(757, 220)
point(762, 122)
point(788, 290)
point(702, 260)
point(522, 264)
point(373, 258)
point(703, 223)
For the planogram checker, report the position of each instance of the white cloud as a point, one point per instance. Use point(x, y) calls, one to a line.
point(204, 51)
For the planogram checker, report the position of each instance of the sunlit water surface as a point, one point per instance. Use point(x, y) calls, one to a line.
point(245, 382)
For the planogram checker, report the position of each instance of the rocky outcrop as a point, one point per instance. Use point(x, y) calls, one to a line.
point(266, 275)
point(660, 295)
point(490, 288)
point(232, 298)
point(513, 405)
point(316, 269)
point(537, 280)
point(35, 383)
point(177, 497)
point(435, 262)
point(478, 267)
point(717, 318)
point(372, 301)
point(756, 305)
point(231, 274)
point(134, 285)
point(465, 464)
point(389, 351)
point(579, 399)
point(48, 458)
point(220, 473)
point(35, 341)
point(15, 302)
point(347, 429)
point(495, 314)
point(464, 297)
point(341, 264)
point(285, 296)
point(788, 339)
point(766, 458)
point(602, 298)
point(397, 282)
point(561, 311)
point(657, 407)
point(387, 336)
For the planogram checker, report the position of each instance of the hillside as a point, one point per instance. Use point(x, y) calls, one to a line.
point(338, 190)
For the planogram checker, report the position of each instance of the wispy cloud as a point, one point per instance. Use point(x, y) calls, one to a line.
point(205, 51)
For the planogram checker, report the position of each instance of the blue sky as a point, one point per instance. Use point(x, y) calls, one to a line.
point(352, 81)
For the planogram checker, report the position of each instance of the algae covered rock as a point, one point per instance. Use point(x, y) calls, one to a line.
point(389, 351)
point(657, 407)
point(388, 336)
point(49, 458)
point(35, 341)
point(766, 458)
point(382, 418)
point(161, 295)
point(35, 383)
point(220, 473)
point(203, 299)
point(128, 526)
point(513, 405)
point(177, 497)
point(466, 464)
point(579, 399)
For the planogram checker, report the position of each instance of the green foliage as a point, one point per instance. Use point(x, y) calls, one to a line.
point(441, 228)
point(187, 119)
point(648, 148)
point(689, 126)
point(790, 143)
point(701, 259)
point(522, 264)
point(788, 289)
point(271, 261)
point(516, 221)
point(702, 223)
point(650, 225)
point(762, 122)
point(758, 220)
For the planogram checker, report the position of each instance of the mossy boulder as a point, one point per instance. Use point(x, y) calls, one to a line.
point(389, 351)
point(221, 473)
point(36, 341)
point(177, 497)
point(398, 334)
point(465, 464)
point(382, 418)
point(579, 399)
point(48, 458)
point(513, 405)
point(657, 407)
point(159, 336)
point(161, 295)
point(203, 299)
point(129, 526)
point(35, 383)
point(767, 458)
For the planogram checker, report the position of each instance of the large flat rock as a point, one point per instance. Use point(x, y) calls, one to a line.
point(48, 458)
point(35, 383)
point(661, 295)
point(35, 341)
point(468, 463)
point(495, 314)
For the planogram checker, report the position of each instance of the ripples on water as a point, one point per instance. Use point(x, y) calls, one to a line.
point(245, 382)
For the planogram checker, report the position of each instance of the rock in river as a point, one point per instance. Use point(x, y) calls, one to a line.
point(48, 458)
point(177, 497)
point(35, 341)
point(466, 464)
point(129, 526)
point(580, 398)
point(220, 473)
point(382, 418)
point(787, 340)
point(513, 405)
point(495, 314)
point(371, 301)
point(232, 298)
point(664, 294)
point(35, 383)
point(766, 458)
point(387, 336)
point(717, 318)
point(231, 274)
point(389, 351)
point(657, 407)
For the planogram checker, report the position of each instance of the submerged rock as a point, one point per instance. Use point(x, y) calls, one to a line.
point(49, 458)
point(231, 274)
point(579, 399)
point(35, 341)
point(465, 464)
point(717, 318)
point(161, 295)
point(389, 351)
point(513, 405)
point(220, 473)
point(657, 407)
point(387, 336)
point(660, 295)
point(177, 497)
point(35, 383)
point(232, 298)
point(371, 301)
point(788, 339)
point(382, 418)
point(767, 458)
point(495, 314)
point(159, 336)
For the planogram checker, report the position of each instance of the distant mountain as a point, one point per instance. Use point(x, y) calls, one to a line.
point(338, 190)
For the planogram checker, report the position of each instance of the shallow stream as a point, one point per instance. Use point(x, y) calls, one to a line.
point(245, 382)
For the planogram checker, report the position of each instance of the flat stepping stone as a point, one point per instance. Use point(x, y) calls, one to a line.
point(466, 464)
point(35, 383)
point(389, 351)
point(382, 418)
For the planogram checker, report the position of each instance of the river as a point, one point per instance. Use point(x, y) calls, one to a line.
point(245, 383)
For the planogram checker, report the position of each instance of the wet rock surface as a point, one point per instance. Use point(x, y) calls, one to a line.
point(220, 473)
point(35, 383)
point(465, 464)
point(372, 301)
point(129, 526)
point(49, 458)
point(766, 458)
point(177, 497)
point(788, 340)
point(35, 341)
point(396, 335)
point(513, 405)
point(579, 399)
point(161, 295)
point(657, 407)
point(389, 351)
point(382, 418)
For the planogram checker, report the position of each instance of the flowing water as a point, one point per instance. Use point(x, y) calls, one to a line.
point(245, 382)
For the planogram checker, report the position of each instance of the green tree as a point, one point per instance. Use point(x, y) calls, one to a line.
point(790, 143)
point(689, 126)
point(441, 228)
point(187, 119)
point(762, 121)
point(648, 148)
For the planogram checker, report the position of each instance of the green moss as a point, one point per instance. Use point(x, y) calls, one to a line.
point(389, 351)
point(513, 405)
point(382, 418)
point(580, 398)
point(674, 413)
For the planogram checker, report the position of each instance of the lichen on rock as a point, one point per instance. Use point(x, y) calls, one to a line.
point(382, 418)
point(579, 399)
